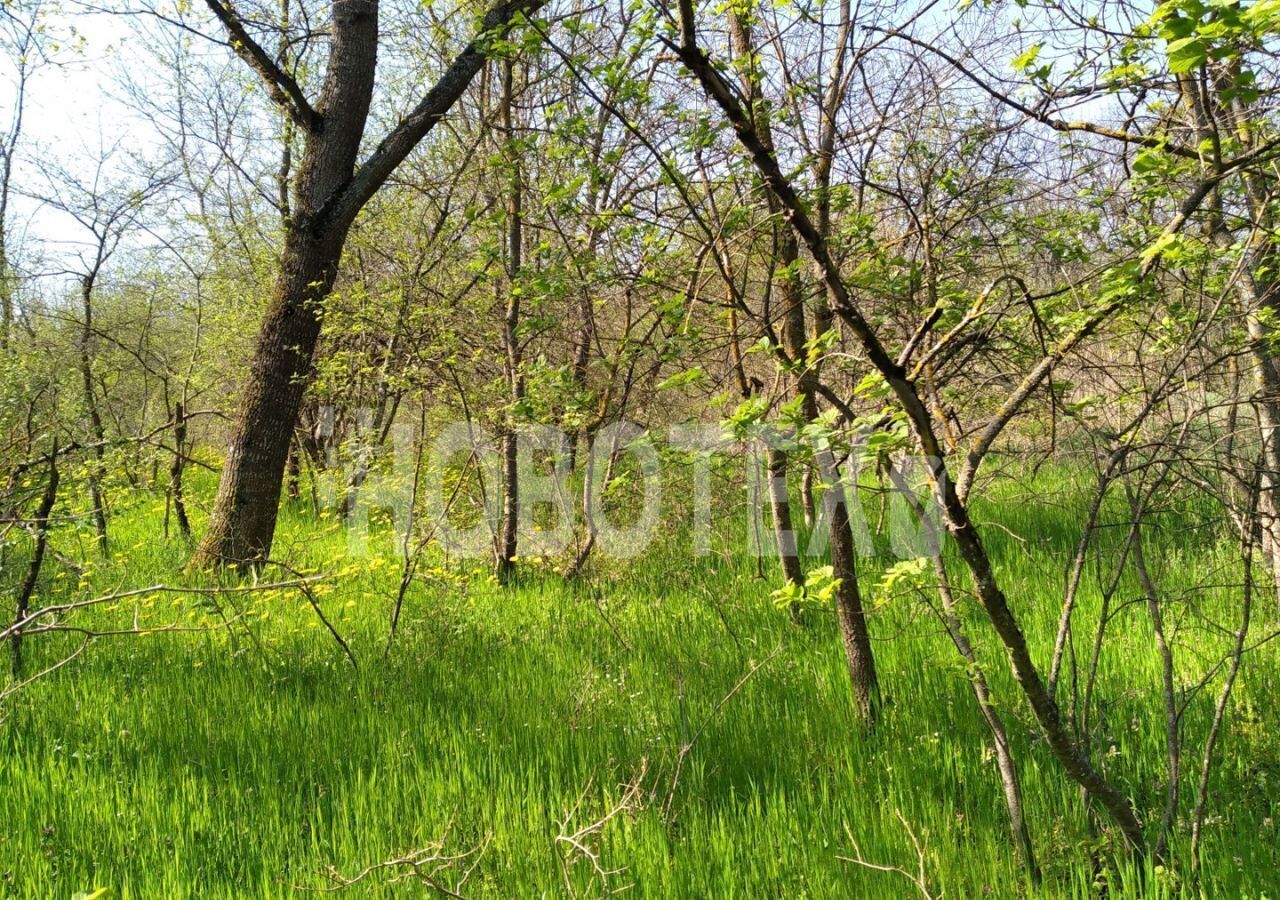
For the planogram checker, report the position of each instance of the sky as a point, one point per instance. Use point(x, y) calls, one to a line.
point(72, 111)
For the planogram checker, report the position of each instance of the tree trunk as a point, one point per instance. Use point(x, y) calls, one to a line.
point(243, 522)
point(1254, 288)
point(780, 505)
point(1005, 763)
point(507, 541)
point(849, 609)
point(6, 286)
point(175, 471)
point(588, 513)
point(97, 470)
point(793, 335)
point(993, 600)
point(582, 358)
point(328, 194)
point(37, 555)
point(787, 252)
point(293, 470)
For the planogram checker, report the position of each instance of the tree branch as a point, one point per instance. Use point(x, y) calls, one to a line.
point(351, 198)
point(282, 86)
point(1061, 125)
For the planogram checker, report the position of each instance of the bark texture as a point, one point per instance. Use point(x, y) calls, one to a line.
point(329, 192)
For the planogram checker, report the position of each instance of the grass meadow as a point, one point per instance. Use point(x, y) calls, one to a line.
point(535, 731)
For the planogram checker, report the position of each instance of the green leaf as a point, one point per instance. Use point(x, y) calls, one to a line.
point(680, 379)
point(902, 577)
point(1147, 161)
point(1026, 59)
point(1186, 54)
point(790, 594)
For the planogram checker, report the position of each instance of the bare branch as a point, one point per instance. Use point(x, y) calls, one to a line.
point(396, 146)
point(282, 86)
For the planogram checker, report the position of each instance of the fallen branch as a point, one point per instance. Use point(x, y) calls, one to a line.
point(579, 842)
point(687, 747)
point(426, 865)
point(72, 606)
point(917, 878)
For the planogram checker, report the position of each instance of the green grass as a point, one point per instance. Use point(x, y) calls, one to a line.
point(245, 762)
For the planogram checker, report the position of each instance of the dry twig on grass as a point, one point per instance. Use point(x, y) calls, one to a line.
point(583, 842)
point(429, 866)
point(687, 747)
point(917, 878)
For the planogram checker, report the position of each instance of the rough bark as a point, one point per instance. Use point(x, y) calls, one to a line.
point(328, 194)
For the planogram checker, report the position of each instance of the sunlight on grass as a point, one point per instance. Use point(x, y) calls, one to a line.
point(247, 761)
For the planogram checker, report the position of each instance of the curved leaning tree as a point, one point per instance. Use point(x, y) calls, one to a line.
point(1193, 35)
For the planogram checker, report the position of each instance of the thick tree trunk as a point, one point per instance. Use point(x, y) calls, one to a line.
point(328, 195)
point(244, 517)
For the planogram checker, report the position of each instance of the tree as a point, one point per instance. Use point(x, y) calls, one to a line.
point(907, 393)
point(511, 338)
point(20, 35)
point(107, 212)
point(328, 193)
